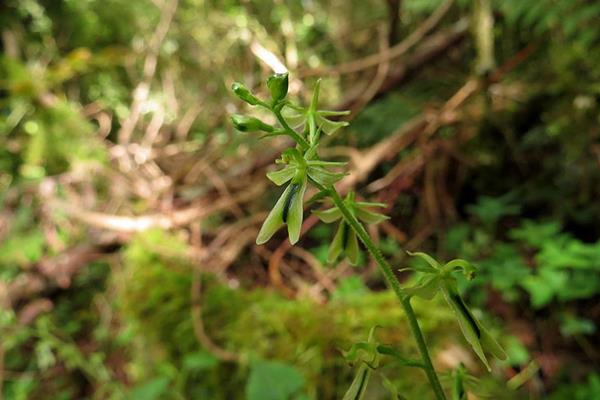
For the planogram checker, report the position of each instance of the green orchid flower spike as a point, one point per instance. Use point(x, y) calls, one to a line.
point(298, 170)
point(345, 240)
point(439, 278)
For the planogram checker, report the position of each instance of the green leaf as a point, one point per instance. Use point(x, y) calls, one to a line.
point(273, 380)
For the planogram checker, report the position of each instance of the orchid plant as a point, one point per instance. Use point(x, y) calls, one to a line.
point(302, 166)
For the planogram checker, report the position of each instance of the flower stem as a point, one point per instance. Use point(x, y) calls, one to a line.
point(297, 137)
point(393, 282)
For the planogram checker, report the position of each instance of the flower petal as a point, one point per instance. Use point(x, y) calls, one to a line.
point(293, 210)
point(328, 216)
point(351, 247)
point(281, 176)
point(370, 204)
point(337, 244)
point(274, 220)
point(328, 126)
point(369, 217)
point(324, 177)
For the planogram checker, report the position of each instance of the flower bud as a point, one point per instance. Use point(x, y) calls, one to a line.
point(243, 93)
point(278, 85)
point(244, 123)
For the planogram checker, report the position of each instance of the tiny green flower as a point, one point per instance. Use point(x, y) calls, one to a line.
point(288, 209)
point(312, 120)
point(439, 278)
point(244, 123)
point(345, 239)
point(278, 86)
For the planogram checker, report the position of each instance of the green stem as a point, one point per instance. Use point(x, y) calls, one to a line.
point(385, 268)
point(393, 282)
point(298, 138)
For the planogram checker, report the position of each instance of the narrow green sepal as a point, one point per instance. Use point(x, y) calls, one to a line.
point(337, 244)
point(274, 220)
point(358, 388)
point(295, 210)
point(281, 176)
point(392, 352)
point(473, 331)
point(351, 247)
point(458, 386)
point(426, 289)
point(323, 176)
point(328, 216)
point(427, 258)
point(370, 217)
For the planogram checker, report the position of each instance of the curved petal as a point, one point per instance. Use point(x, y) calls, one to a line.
point(293, 209)
point(328, 216)
point(274, 220)
point(337, 244)
point(426, 257)
point(351, 247)
point(370, 204)
point(369, 217)
point(324, 177)
point(281, 176)
point(329, 127)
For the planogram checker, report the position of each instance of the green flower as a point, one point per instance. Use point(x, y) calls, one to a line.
point(288, 209)
point(244, 94)
point(311, 120)
point(278, 86)
point(244, 123)
point(345, 239)
point(439, 278)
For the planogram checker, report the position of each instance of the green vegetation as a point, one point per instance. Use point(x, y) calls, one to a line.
point(131, 206)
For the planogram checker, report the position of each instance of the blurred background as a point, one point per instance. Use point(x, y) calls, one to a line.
point(130, 206)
